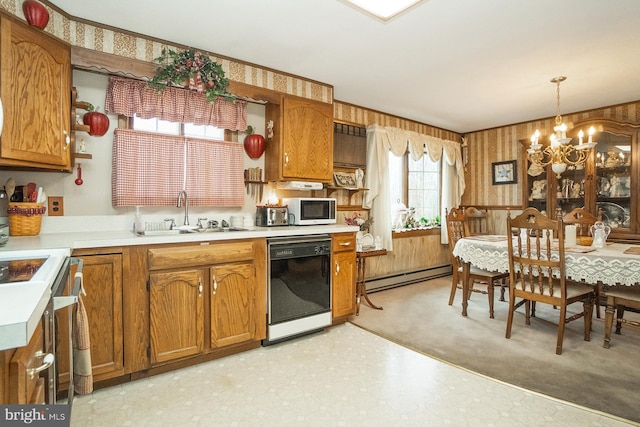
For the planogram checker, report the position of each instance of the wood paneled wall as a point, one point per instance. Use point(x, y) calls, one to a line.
point(409, 254)
point(501, 144)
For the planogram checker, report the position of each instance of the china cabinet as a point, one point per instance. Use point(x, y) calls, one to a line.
point(607, 183)
point(35, 87)
point(301, 147)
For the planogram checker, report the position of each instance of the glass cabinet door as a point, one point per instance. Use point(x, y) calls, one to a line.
point(613, 180)
point(570, 189)
point(536, 187)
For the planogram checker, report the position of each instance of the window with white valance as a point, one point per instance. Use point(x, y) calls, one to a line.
point(381, 140)
point(150, 169)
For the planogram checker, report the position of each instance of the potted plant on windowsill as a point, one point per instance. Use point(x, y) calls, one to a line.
point(192, 70)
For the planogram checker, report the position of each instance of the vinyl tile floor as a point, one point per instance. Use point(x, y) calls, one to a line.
point(344, 376)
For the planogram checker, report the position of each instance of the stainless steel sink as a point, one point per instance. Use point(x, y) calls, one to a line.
point(189, 231)
point(219, 229)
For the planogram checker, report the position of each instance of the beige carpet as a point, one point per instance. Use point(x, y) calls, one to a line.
point(587, 374)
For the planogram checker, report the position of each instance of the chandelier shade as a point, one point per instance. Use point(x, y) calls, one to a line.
point(560, 153)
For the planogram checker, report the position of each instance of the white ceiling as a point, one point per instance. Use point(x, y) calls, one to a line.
point(461, 65)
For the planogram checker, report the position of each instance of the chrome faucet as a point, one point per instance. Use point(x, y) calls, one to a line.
point(186, 205)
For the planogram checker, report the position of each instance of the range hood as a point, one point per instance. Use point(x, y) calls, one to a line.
point(299, 185)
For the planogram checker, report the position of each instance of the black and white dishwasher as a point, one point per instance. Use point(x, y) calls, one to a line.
point(298, 286)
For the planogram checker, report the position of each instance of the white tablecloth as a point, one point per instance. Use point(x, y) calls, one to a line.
point(609, 265)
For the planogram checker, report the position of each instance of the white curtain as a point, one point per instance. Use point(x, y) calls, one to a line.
point(381, 140)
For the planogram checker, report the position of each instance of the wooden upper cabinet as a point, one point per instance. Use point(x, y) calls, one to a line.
point(302, 143)
point(35, 86)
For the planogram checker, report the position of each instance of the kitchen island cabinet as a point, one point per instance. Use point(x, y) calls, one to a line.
point(344, 275)
point(302, 144)
point(35, 87)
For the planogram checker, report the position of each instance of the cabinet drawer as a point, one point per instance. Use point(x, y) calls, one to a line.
point(189, 256)
point(343, 242)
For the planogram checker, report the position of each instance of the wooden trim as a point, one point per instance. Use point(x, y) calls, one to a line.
point(415, 233)
point(107, 63)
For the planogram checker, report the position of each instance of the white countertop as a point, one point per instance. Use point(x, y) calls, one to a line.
point(98, 239)
point(22, 305)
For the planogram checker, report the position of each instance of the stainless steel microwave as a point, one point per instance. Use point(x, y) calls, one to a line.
point(311, 210)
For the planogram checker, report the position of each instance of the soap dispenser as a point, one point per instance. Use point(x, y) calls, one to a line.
point(138, 227)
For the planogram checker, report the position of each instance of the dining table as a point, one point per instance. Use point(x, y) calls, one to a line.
point(611, 265)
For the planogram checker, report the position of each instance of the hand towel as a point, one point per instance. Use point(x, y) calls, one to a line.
point(82, 374)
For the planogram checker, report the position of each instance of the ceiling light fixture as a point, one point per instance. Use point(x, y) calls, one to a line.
point(560, 153)
point(384, 10)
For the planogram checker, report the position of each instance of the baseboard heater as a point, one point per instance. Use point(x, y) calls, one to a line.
point(401, 279)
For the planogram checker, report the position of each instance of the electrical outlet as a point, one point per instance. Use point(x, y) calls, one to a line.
point(56, 206)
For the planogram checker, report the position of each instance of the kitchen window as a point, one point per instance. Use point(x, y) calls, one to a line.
point(175, 128)
point(174, 140)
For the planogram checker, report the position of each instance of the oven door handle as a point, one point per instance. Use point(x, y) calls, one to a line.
point(67, 300)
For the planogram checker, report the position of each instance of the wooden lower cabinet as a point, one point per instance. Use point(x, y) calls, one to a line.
point(23, 386)
point(102, 282)
point(176, 311)
point(202, 298)
point(344, 275)
point(232, 304)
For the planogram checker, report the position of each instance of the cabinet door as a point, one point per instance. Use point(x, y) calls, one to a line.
point(35, 86)
point(102, 282)
point(344, 284)
point(614, 181)
point(176, 314)
point(307, 140)
point(232, 304)
point(25, 387)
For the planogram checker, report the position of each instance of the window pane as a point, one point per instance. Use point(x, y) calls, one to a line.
point(193, 130)
point(424, 187)
point(171, 128)
point(395, 175)
point(149, 125)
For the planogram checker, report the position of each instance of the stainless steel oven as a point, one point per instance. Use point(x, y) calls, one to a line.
point(298, 286)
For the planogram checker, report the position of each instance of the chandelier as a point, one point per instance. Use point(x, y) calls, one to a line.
point(560, 152)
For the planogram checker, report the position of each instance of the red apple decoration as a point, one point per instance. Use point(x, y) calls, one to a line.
point(254, 144)
point(36, 14)
point(98, 123)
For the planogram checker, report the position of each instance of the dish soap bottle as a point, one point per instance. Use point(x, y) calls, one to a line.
point(138, 227)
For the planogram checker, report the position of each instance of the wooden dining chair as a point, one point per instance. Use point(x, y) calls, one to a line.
point(583, 220)
point(458, 228)
point(538, 272)
point(619, 298)
point(476, 220)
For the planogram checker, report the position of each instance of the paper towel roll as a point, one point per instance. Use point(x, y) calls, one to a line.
point(570, 232)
